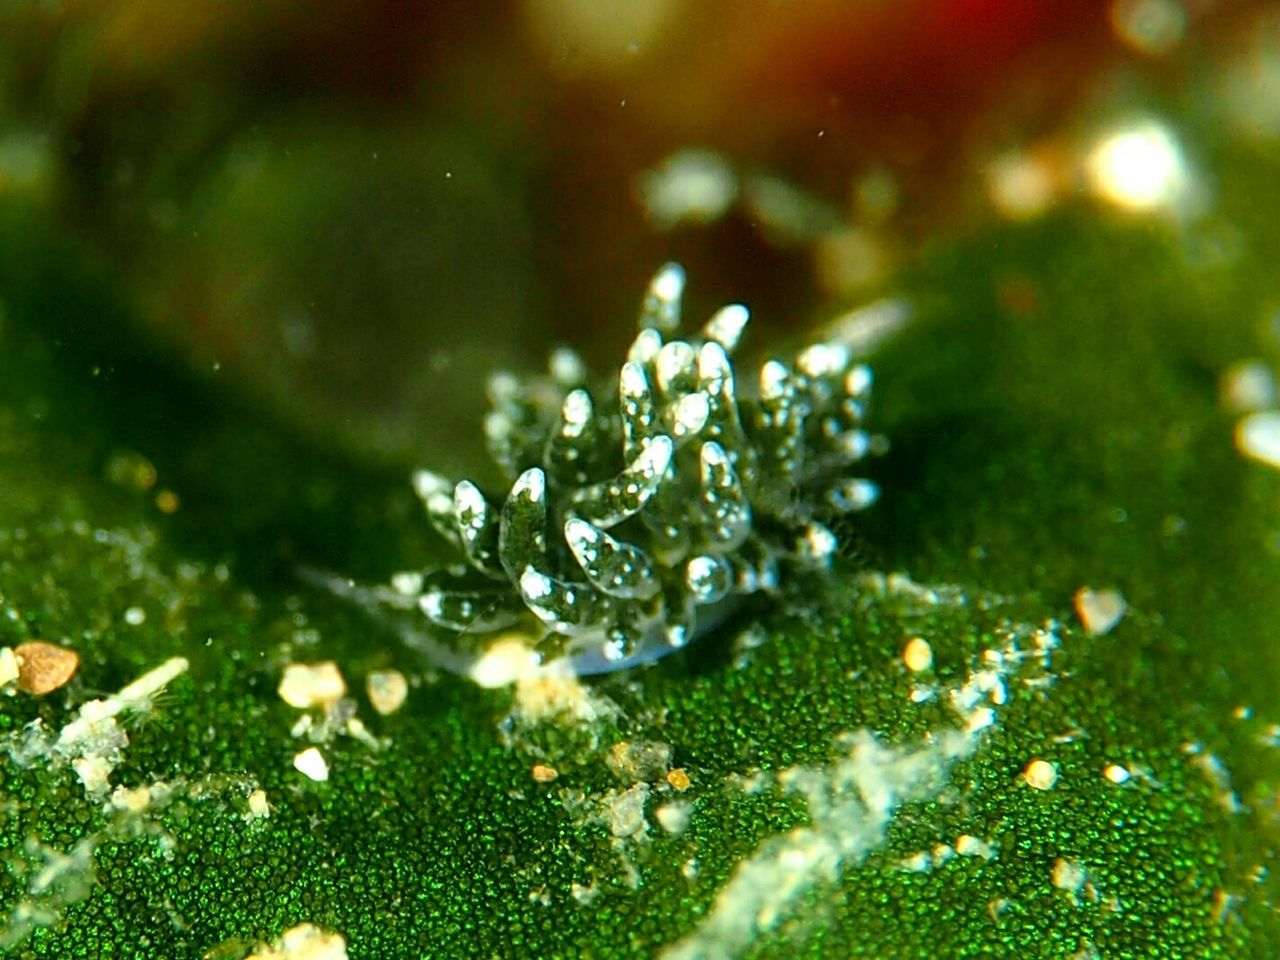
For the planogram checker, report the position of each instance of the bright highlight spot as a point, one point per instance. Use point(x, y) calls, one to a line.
point(1141, 168)
point(1258, 437)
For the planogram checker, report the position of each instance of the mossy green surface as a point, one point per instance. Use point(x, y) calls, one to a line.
point(1055, 422)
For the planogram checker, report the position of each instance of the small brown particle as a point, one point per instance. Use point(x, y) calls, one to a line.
point(678, 779)
point(167, 501)
point(44, 667)
point(543, 773)
point(917, 655)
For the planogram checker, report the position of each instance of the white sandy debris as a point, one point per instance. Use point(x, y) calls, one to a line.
point(1068, 876)
point(554, 693)
point(8, 666)
point(258, 806)
point(850, 805)
point(1215, 771)
point(306, 685)
point(1099, 610)
point(625, 810)
point(673, 816)
point(92, 741)
point(306, 941)
point(510, 658)
point(312, 764)
point(387, 690)
point(1258, 437)
point(94, 772)
point(1040, 774)
point(54, 880)
point(967, 845)
point(131, 800)
point(853, 800)
point(917, 655)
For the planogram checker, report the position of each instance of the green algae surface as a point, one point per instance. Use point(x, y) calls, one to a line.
point(785, 788)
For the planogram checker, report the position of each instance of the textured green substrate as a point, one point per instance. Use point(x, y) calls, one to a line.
point(1055, 424)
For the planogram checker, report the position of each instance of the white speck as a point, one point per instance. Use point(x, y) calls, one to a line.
point(94, 772)
point(673, 817)
point(407, 583)
point(311, 764)
point(306, 941)
point(1020, 185)
point(691, 186)
point(305, 685)
point(508, 659)
point(432, 604)
point(1099, 610)
point(258, 806)
point(566, 366)
point(387, 690)
point(691, 412)
point(131, 800)
point(434, 491)
point(1258, 437)
point(535, 585)
point(968, 845)
point(980, 719)
point(818, 542)
point(8, 666)
point(1040, 774)
point(1140, 167)
point(1116, 773)
point(1247, 386)
point(1068, 875)
point(626, 810)
point(1153, 27)
point(858, 493)
point(531, 484)
point(135, 616)
point(917, 862)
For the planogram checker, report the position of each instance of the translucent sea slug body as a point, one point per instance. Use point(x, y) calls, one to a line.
point(641, 512)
